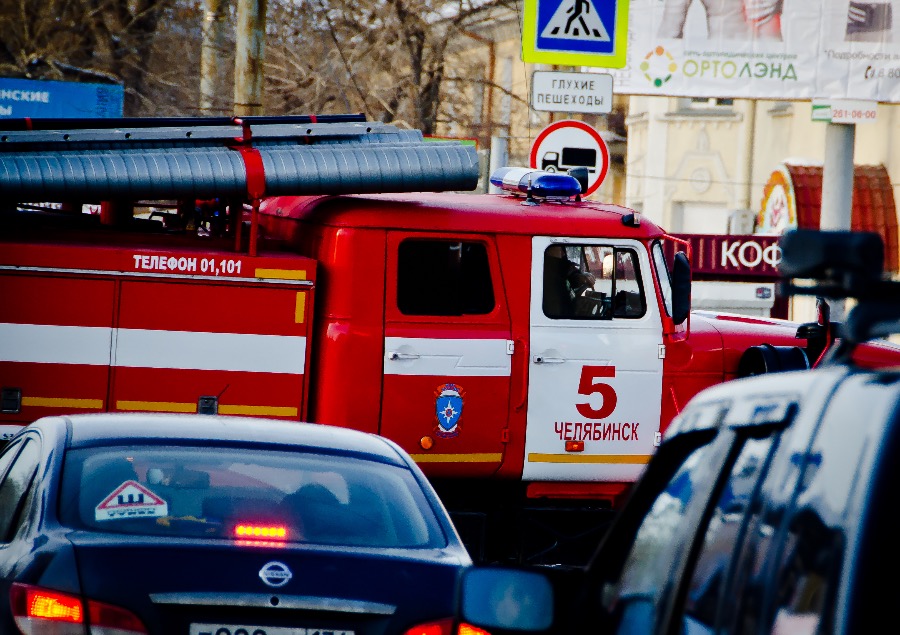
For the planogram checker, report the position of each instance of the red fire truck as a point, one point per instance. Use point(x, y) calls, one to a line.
point(341, 271)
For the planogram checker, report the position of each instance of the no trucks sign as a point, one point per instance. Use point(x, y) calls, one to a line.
point(571, 144)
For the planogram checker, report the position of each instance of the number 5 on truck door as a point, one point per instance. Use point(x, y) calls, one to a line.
point(587, 385)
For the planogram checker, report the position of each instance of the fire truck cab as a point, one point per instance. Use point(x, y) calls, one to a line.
point(528, 349)
point(447, 322)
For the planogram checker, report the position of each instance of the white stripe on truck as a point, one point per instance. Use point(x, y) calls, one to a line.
point(138, 348)
point(446, 357)
point(49, 344)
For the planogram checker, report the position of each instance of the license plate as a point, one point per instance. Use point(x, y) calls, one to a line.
point(243, 629)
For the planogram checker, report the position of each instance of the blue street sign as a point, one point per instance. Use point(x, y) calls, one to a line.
point(51, 99)
point(576, 32)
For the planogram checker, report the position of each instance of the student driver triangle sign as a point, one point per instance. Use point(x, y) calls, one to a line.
point(131, 500)
point(576, 32)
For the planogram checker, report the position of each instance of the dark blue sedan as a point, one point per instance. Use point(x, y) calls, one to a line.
point(209, 525)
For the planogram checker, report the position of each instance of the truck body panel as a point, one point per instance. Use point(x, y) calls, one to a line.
point(96, 327)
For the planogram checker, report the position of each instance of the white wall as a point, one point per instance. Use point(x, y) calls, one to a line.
point(698, 218)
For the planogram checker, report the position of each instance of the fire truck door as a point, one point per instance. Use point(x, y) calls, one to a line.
point(447, 353)
point(55, 338)
point(212, 348)
point(595, 373)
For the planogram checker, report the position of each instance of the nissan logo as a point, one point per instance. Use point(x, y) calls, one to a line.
point(275, 574)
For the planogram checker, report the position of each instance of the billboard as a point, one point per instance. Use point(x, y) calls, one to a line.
point(763, 49)
point(51, 99)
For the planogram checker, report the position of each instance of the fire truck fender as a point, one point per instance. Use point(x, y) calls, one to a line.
point(766, 358)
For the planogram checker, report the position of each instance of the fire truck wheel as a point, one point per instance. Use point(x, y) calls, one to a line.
point(767, 358)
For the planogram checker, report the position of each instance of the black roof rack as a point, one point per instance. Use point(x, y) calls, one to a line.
point(50, 123)
point(839, 265)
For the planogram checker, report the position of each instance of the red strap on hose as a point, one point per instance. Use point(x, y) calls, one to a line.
point(253, 163)
point(256, 173)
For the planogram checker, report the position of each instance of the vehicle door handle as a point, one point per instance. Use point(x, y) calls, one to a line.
point(395, 356)
point(537, 359)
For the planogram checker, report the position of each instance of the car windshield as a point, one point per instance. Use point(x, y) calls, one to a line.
point(246, 494)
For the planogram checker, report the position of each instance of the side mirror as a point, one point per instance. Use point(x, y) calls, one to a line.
point(506, 599)
point(581, 175)
point(681, 288)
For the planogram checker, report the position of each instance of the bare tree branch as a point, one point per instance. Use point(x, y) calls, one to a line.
point(402, 61)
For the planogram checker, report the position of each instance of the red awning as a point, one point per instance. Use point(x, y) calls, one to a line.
point(874, 208)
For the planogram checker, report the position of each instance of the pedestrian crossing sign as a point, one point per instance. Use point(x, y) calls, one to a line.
point(575, 32)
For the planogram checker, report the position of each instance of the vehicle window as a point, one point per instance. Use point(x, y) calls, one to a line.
point(15, 485)
point(795, 594)
point(594, 282)
point(633, 601)
point(663, 276)
point(444, 277)
point(791, 567)
point(812, 557)
point(27, 502)
point(878, 542)
point(246, 494)
point(812, 552)
point(725, 533)
point(7, 456)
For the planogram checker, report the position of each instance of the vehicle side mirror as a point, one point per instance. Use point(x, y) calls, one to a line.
point(506, 599)
point(681, 288)
point(581, 175)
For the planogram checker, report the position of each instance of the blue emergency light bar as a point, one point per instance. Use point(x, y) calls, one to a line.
point(536, 183)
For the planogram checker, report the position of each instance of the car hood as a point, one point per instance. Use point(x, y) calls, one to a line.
point(737, 333)
point(877, 354)
point(173, 583)
point(733, 326)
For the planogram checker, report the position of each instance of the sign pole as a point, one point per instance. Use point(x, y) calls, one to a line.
point(837, 188)
point(499, 158)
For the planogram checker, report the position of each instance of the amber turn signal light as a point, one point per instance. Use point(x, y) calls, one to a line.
point(574, 446)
